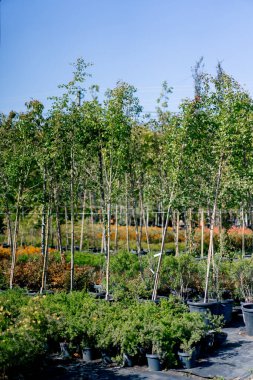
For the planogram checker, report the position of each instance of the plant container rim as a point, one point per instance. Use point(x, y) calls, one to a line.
point(202, 303)
point(184, 353)
point(246, 309)
point(229, 300)
point(153, 356)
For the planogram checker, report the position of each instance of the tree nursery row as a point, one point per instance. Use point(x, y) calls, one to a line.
point(162, 203)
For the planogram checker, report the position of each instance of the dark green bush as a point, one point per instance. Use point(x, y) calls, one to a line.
point(119, 327)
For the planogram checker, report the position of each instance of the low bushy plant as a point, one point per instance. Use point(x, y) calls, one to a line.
point(118, 327)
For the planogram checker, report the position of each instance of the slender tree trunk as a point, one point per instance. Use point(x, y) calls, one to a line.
point(9, 227)
point(9, 239)
point(156, 216)
point(14, 239)
point(162, 217)
point(45, 258)
point(251, 220)
point(173, 221)
point(145, 220)
point(127, 213)
point(137, 234)
point(103, 205)
point(210, 249)
point(72, 216)
point(190, 230)
point(108, 233)
point(116, 229)
point(59, 238)
point(58, 228)
point(141, 218)
point(138, 241)
point(92, 221)
point(186, 231)
point(157, 273)
point(22, 228)
point(221, 235)
point(43, 220)
point(177, 234)
point(140, 230)
point(83, 218)
point(247, 218)
point(51, 231)
point(120, 215)
point(202, 233)
point(108, 249)
point(66, 228)
point(127, 229)
point(103, 239)
point(243, 233)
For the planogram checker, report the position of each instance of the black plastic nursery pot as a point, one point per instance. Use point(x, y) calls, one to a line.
point(204, 307)
point(64, 350)
point(154, 362)
point(226, 308)
point(188, 360)
point(242, 304)
point(247, 310)
point(207, 343)
point(219, 339)
point(88, 354)
point(127, 360)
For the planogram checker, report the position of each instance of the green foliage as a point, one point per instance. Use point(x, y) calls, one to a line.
point(242, 272)
point(179, 273)
point(122, 327)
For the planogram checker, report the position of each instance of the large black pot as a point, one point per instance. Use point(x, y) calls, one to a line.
point(247, 310)
point(154, 362)
point(212, 307)
point(242, 304)
point(204, 307)
point(226, 308)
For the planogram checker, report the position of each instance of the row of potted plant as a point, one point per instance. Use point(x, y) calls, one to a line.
point(126, 329)
point(183, 275)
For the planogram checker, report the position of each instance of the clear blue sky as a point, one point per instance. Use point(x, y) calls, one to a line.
point(140, 41)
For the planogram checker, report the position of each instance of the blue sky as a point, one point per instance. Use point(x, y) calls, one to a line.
point(143, 42)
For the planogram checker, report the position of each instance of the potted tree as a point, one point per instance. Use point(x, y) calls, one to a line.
point(189, 330)
point(126, 334)
point(188, 354)
point(243, 272)
point(87, 347)
point(158, 344)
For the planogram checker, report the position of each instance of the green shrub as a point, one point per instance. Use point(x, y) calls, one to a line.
point(119, 327)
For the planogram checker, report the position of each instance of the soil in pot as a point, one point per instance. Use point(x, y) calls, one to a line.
point(154, 362)
point(247, 310)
